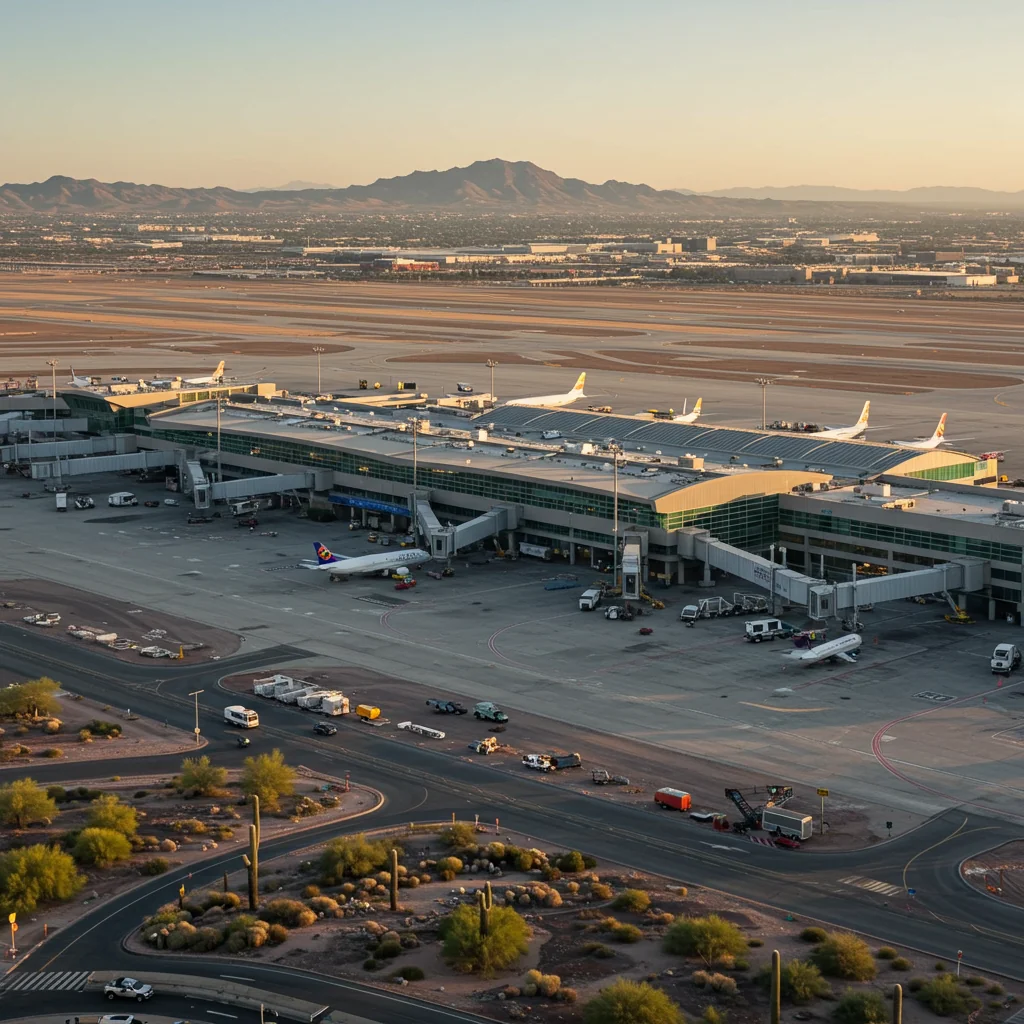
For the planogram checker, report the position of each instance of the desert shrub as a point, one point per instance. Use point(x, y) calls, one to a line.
point(552, 899)
point(189, 826)
point(886, 953)
point(711, 938)
point(388, 949)
point(205, 939)
point(310, 891)
point(200, 775)
point(470, 952)
point(51, 752)
point(288, 912)
point(235, 942)
point(628, 933)
point(412, 881)
point(268, 777)
point(35, 697)
point(352, 857)
point(168, 846)
point(53, 726)
point(100, 728)
point(276, 934)
point(23, 802)
point(801, 982)
point(495, 851)
point(814, 934)
point(58, 794)
point(939, 965)
point(636, 901)
point(995, 989)
point(571, 862)
point(843, 955)
point(548, 985)
point(458, 836)
point(598, 949)
point(713, 1015)
point(450, 865)
point(323, 904)
point(139, 794)
point(755, 943)
point(631, 1002)
point(860, 1008)
point(30, 875)
point(915, 984)
point(410, 973)
point(101, 847)
point(901, 963)
point(370, 964)
point(85, 736)
point(155, 866)
point(600, 891)
point(108, 812)
point(945, 998)
point(973, 981)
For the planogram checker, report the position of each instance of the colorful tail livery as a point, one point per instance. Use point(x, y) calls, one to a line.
point(323, 554)
point(578, 386)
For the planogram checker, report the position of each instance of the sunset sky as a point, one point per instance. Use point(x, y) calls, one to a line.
point(676, 94)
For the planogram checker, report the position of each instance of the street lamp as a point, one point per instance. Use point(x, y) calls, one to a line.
point(195, 693)
point(319, 350)
point(415, 453)
point(615, 521)
point(52, 364)
point(763, 382)
point(491, 364)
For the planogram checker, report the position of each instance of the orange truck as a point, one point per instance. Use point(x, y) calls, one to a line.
point(673, 799)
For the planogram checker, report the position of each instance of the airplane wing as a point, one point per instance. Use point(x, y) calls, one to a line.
point(847, 657)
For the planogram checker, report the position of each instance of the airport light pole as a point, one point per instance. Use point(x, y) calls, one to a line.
point(763, 383)
point(615, 520)
point(491, 364)
point(415, 452)
point(319, 350)
point(195, 694)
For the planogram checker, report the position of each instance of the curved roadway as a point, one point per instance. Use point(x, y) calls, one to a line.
point(421, 784)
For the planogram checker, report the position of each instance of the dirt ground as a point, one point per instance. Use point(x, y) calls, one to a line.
point(19, 598)
point(999, 872)
point(648, 768)
point(572, 941)
point(140, 737)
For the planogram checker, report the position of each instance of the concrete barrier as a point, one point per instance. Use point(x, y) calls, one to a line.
point(219, 990)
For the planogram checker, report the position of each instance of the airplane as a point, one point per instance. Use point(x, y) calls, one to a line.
point(80, 382)
point(165, 382)
point(341, 567)
point(847, 433)
point(844, 648)
point(927, 443)
point(692, 416)
point(672, 417)
point(466, 389)
point(554, 401)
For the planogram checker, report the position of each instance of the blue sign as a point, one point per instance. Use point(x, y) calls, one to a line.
point(369, 504)
point(911, 892)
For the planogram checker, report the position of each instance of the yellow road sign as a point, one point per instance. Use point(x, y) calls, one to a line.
point(822, 792)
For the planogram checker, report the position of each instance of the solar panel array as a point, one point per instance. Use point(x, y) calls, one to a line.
point(719, 443)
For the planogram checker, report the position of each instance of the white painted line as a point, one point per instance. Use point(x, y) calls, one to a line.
point(236, 977)
point(217, 1013)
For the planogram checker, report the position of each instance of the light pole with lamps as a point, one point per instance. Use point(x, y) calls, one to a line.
point(195, 693)
point(52, 364)
point(491, 364)
point(615, 521)
point(319, 350)
point(763, 383)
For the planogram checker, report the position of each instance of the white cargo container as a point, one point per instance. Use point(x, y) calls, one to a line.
point(311, 701)
point(334, 704)
point(292, 696)
point(787, 823)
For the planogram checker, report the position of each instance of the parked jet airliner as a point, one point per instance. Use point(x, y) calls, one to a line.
point(847, 433)
point(365, 565)
point(554, 401)
point(926, 443)
point(842, 648)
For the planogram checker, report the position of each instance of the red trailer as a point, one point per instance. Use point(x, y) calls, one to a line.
point(675, 799)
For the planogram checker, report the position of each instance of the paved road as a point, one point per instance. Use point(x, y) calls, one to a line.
point(864, 890)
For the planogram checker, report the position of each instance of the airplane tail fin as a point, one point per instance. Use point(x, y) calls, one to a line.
point(940, 430)
point(578, 386)
point(323, 554)
point(696, 406)
point(863, 421)
point(219, 372)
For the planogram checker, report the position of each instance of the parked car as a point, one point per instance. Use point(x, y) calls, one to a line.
point(789, 844)
point(119, 1018)
point(151, 504)
point(127, 988)
point(324, 729)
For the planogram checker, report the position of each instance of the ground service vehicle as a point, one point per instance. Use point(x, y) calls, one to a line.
point(243, 508)
point(781, 822)
point(127, 988)
point(602, 777)
point(244, 718)
point(1005, 658)
point(559, 761)
point(491, 712)
point(766, 629)
point(119, 1018)
point(673, 799)
point(590, 599)
point(485, 746)
point(367, 712)
point(325, 729)
point(447, 707)
point(83, 501)
point(122, 498)
point(62, 501)
point(538, 762)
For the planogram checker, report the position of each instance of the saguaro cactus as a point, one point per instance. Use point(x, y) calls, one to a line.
point(225, 881)
point(394, 880)
point(485, 898)
point(252, 860)
point(897, 1004)
point(776, 995)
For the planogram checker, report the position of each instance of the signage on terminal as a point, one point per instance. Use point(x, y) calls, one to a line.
point(369, 504)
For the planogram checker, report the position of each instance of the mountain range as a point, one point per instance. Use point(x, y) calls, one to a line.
point(944, 195)
point(487, 186)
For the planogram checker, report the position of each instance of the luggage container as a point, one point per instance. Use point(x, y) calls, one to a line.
point(367, 712)
point(334, 704)
point(673, 799)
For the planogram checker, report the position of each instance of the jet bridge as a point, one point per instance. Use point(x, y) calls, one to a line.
point(101, 464)
point(447, 541)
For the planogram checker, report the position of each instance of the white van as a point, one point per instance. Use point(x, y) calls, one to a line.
point(590, 599)
point(242, 717)
point(766, 629)
point(122, 498)
point(245, 507)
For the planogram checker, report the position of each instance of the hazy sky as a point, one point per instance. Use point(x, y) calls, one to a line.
point(874, 93)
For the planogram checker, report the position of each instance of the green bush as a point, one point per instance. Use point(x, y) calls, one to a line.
point(388, 950)
point(915, 984)
point(973, 981)
point(268, 777)
point(711, 938)
point(887, 953)
point(101, 847)
point(200, 775)
point(352, 857)
point(458, 836)
point(995, 989)
point(843, 955)
point(100, 728)
point(410, 973)
point(635, 901)
point(600, 891)
point(860, 1008)
point(156, 866)
point(801, 982)
point(276, 934)
point(945, 998)
point(814, 934)
point(52, 752)
point(451, 865)
point(631, 1002)
point(205, 939)
point(288, 912)
point(598, 949)
point(310, 891)
point(23, 802)
point(713, 1015)
point(108, 812)
point(626, 933)
point(755, 943)
point(58, 794)
point(30, 875)
point(36, 698)
point(470, 952)
point(901, 963)
point(370, 964)
point(571, 862)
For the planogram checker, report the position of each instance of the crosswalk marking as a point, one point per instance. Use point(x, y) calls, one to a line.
point(45, 981)
point(1017, 1018)
point(885, 888)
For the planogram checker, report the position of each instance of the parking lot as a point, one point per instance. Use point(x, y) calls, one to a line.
point(919, 724)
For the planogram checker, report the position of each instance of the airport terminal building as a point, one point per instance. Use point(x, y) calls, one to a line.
point(817, 505)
